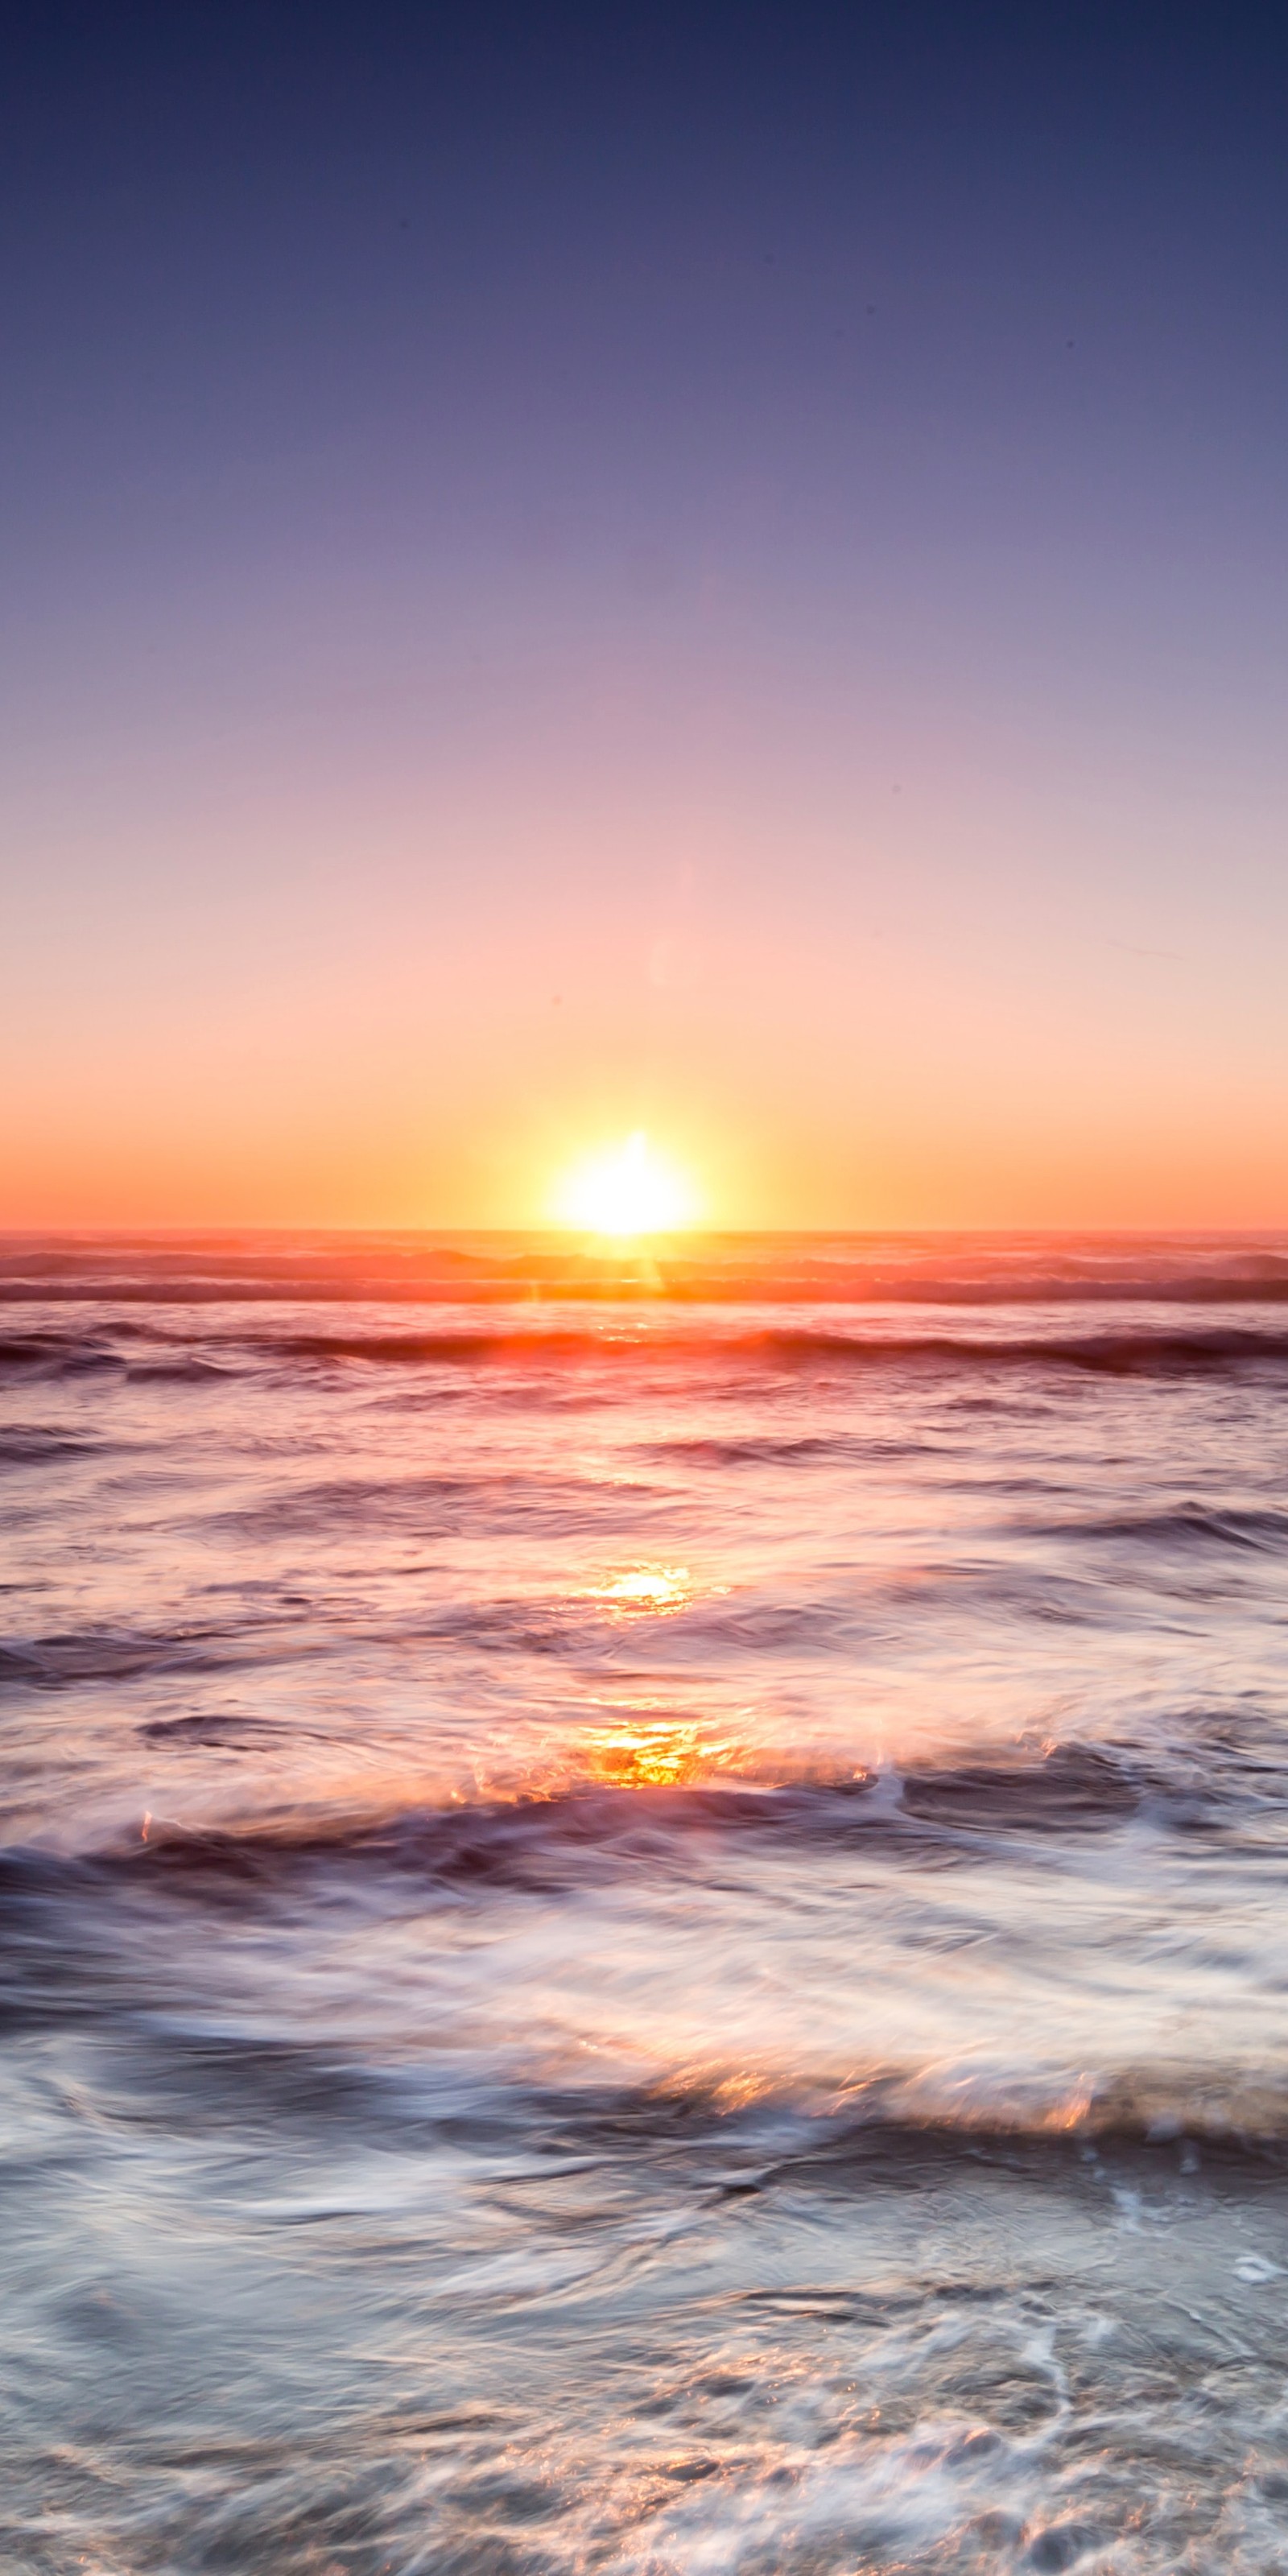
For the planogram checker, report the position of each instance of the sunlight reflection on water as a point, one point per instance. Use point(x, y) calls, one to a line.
point(644, 1587)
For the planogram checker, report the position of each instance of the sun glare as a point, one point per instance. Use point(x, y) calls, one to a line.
point(627, 1190)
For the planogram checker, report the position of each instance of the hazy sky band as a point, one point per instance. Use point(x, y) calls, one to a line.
point(722, 576)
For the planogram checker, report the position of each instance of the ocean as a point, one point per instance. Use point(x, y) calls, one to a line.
point(644, 1906)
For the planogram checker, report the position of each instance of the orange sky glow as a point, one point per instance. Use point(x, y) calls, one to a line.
point(300, 1051)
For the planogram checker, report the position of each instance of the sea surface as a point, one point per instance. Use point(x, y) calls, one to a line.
point(643, 1906)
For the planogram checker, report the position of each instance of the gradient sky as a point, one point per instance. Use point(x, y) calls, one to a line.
point(720, 570)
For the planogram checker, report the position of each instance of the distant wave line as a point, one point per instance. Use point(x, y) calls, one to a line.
point(1134, 1349)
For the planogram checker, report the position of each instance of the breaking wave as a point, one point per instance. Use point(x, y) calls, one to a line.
point(1144, 1348)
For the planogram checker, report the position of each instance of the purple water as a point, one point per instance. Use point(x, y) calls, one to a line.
point(643, 1906)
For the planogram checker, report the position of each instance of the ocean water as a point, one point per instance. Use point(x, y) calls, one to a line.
point(644, 1907)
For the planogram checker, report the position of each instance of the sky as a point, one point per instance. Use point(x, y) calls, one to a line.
point(716, 571)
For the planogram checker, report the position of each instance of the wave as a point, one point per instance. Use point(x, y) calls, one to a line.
point(24, 1444)
point(1260, 1530)
point(67, 1963)
point(54, 1354)
point(114, 1654)
point(420, 1268)
point(43, 1355)
point(768, 1449)
point(552, 1837)
point(1131, 1350)
point(419, 1505)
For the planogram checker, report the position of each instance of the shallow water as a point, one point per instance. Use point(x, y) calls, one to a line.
point(643, 1906)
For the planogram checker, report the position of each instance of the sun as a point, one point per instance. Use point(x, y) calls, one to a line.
point(629, 1189)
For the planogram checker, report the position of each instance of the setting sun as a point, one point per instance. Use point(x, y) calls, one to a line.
point(626, 1190)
